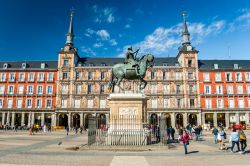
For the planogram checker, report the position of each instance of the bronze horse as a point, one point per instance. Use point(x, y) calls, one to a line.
point(127, 71)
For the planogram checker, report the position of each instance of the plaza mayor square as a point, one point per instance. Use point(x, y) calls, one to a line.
point(124, 83)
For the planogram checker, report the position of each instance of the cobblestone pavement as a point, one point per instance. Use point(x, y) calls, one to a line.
point(53, 149)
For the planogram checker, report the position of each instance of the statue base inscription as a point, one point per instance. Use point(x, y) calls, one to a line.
point(127, 116)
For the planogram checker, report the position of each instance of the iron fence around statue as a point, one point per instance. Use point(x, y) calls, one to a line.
point(125, 131)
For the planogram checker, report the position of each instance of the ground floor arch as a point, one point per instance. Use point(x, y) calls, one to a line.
point(76, 120)
point(38, 119)
point(192, 119)
point(221, 121)
point(167, 119)
point(153, 119)
point(63, 120)
point(179, 120)
point(47, 119)
point(209, 119)
point(102, 121)
point(18, 119)
point(86, 119)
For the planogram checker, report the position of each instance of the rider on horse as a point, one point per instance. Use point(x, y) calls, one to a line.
point(130, 59)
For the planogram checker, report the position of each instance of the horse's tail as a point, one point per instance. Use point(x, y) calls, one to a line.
point(111, 81)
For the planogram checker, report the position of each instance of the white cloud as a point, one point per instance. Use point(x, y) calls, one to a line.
point(89, 32)
point(161, 40)
point(242, 22)
point(127, 26)
point(87, 51)
point(103, 34)
point(104, 14)
point(113, 42)
point(98, 45)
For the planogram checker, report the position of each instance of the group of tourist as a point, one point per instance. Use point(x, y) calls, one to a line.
point(75, 129)
point(237, 137)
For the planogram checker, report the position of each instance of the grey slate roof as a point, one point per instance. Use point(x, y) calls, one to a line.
point(223, 64)
point(29, 64)
point(170, 61)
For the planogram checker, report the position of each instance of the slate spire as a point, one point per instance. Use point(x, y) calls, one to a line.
point(70, 34)
point(185, 33)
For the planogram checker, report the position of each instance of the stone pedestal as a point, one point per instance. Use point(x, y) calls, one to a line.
point(128, 111)
point(127, 116)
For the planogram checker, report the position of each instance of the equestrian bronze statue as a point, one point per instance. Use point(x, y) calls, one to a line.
point(131, 69)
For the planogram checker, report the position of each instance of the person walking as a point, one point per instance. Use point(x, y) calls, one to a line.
point(243, 141)
point(67, 130)
point(221, 138)
point(185, 140)
point(172, 133)
point(235, 140)
point(197, 133)
point(215, 133)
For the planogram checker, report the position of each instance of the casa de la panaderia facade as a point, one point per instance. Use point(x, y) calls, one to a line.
point(73, 89)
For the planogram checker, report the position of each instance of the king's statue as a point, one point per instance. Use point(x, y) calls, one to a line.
point(131, 69)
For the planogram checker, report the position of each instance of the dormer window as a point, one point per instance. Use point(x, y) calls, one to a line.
point(236, 66)
point(79, 64)
point(5, 65)
point(42, 65)
point(91, 64)
point(216, 66)
point(176, 64)
point(103, 64)
point(24, 65)
point(165, 64)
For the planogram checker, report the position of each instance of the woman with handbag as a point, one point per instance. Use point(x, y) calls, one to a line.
point(185, 140)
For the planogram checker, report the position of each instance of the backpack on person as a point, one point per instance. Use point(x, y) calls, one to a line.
point(242, 136)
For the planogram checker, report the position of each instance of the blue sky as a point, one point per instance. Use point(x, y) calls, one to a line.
point(36, 29)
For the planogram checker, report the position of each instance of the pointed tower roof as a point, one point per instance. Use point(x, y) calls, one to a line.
point(186, 44)
point(185, 33)
point(70, 34)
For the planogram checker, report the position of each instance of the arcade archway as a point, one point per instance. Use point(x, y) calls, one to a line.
point(192, 119)
point(63, 120)
point(179, 120)
point(76, 120)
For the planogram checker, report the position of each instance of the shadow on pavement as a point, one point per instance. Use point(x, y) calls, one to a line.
point(193, 152)
point(247, 152)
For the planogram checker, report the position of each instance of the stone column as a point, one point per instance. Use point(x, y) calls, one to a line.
point(69, 120)
point(185, 116)
point(247, 118)
point(29, 121)
point(53, 119)
point(32, 118)
point(22, 119)
point(42, 118)
point(8, 118)
point(227, 119)
point(237, 117)
point(3, 118)
point(215, 119)
point(107, 119)
point(173, 119)
point(84, 121)
point(199, 119)
point(13, 119)
point(81, 119)
point(158, 118)
point(203, 118)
